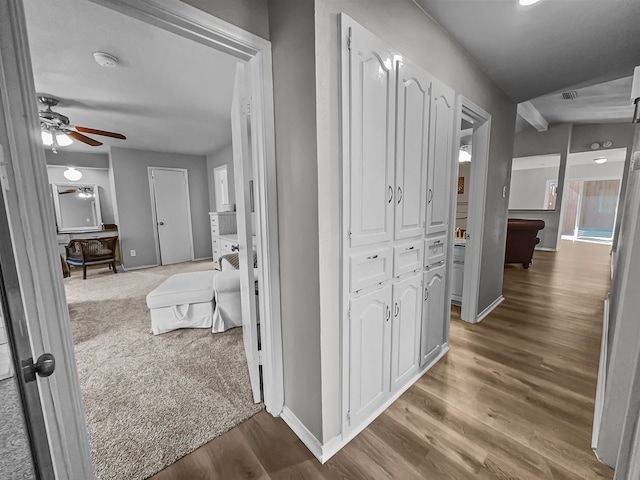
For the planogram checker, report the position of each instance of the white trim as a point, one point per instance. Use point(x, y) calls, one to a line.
point(477, 203)
point(546, 249)
point(533, 116)
point(30, 211)
point(77, 168)
point(602, 378)
point(154, 212)
point(303, 433)
point(489, 309)
point(141, 267)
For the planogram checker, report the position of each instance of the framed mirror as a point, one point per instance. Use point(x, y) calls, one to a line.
point(534, 182)
point(221, 187)
point(77, 207)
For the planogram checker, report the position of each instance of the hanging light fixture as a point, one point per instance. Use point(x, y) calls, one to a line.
point(72, 174)
point(465, 154)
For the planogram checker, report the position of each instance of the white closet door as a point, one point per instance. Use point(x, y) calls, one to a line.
point(405, 330)
point(414, 87)
point(369, 362)
point(440, 155)
point(372, 125)
point(433, 311)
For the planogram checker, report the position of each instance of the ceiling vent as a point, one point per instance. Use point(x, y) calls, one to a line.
point(572, 95)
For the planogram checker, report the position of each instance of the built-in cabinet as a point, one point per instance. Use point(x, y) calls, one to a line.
point(222, 223)
point(457, 274)
point(398, 151)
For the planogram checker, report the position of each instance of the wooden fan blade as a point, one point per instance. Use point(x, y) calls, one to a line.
point(100, 132)
point(84, 139)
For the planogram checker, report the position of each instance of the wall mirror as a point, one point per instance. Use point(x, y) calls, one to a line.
point(77, 207)
point(534, 182)
point(221, 187)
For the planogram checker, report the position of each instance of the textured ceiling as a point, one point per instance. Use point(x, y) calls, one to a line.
point(167, 93)
point(550, 46)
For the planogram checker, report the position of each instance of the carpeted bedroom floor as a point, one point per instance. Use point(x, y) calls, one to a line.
point(150, 399)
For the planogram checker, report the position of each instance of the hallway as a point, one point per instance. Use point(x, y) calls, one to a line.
point(513, 398)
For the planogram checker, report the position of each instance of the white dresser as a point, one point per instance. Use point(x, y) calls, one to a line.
point(222, 223)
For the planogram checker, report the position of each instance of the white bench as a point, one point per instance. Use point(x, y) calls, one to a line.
point(184, 300)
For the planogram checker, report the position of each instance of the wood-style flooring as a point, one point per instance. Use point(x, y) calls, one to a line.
point(513, 398)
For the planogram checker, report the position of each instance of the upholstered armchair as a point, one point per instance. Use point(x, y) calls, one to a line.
point(82, 252)
point(522, 240)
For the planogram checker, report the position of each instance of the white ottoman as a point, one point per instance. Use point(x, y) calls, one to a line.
point(184, 300)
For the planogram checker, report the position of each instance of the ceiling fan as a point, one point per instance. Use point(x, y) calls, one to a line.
point(56, 128)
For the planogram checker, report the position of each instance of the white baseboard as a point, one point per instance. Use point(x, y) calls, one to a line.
point(127, 269)
point(547, 249)
point(602, 379)
point(201, 259)
point(333, 446)
point(489, 309)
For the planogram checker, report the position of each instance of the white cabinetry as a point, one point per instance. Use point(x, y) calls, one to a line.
point(398, 135)
point(369, 367)
point(457, 274)
point(221, 223)
point(405, 330)
point(433, 314)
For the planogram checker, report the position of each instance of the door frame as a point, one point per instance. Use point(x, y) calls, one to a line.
point(30, 210)
point(477, 200)
point(154, 212)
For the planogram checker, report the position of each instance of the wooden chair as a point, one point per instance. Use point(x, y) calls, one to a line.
point(82, 252)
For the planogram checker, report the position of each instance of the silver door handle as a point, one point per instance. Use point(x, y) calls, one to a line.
point(430, 196)
point(390, 193)
point(426, 293)
point(397, 310)
point(161, 223)
point(372, 257)
point(410, 248)
point(399, 194)
point(44, 367)
point(388, 313)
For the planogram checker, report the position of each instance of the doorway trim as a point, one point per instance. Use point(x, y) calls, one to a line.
point(154, 212)
point(29, 207)
point(477, 200)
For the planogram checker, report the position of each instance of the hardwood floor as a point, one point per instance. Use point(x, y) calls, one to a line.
point(513, 398)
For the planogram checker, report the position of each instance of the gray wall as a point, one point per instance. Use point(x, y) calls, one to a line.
point(416, 36)
point(99, 176)
point(224, 156)
point(129, 169)
point(529, 187)
point(250, 15)
point(77, 159)
point(528, 143)
point(624, 328)
point(462, 205)
point(292, 36)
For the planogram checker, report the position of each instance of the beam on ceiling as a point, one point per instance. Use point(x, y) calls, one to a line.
point(531, 114)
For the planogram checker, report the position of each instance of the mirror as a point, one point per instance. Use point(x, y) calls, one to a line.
point(221, 187)
point(534, 182)
point(77, 207)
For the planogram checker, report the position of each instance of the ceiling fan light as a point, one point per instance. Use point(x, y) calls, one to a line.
point(600, 160)
point(47, 138)
point(72, 174)
point(63, 140)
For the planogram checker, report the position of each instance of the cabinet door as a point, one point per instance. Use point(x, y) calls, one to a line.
point(369, 362)
point(372, 125)
point(405, 330)
point(440, 156)
point(412, 141)
point(433, 314)
point(457, 277)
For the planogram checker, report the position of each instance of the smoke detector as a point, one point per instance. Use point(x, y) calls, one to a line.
point(105, 59)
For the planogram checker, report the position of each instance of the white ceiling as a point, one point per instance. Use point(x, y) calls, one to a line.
point(548, 47)
point(167, 93)
point(581, 158)
point(537, 161)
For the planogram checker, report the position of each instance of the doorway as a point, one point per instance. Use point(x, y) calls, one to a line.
point(171, 211)
point(33, 235)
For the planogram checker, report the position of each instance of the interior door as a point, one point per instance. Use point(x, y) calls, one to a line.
point(242, 165)
point(173, 215)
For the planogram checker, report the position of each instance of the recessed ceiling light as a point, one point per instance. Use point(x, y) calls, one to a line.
point(600, 160)
point(526, 3)
point(105, 59)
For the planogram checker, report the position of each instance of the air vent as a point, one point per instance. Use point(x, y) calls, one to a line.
point(572, 95)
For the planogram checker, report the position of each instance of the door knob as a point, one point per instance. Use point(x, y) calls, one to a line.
point(44, 367)
point(161, 223)
point(235, 248)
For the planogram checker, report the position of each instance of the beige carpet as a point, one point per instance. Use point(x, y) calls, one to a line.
point(150, 399)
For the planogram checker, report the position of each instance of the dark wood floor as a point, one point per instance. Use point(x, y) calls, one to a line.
point(513, 398)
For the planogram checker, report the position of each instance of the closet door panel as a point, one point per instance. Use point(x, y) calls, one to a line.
point(433, 311)
point(372, 113)
point(440, 155)
point(411, 150)
point(405, 330)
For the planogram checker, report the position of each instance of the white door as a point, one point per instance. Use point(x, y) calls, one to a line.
point(433, 312)
point(442, 128)
point(372, 81)
point(242, 165)
point(414, 86)
point(173, 215)
point(369, 365)
point(405, 330)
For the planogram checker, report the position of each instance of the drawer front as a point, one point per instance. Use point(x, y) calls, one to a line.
point(435, 250)
point(225, 247)
point(407, 258)
point(214, 220)
point(370, 268)
point(215, 247)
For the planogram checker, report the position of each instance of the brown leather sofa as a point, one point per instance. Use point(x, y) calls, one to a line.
point(521, 240)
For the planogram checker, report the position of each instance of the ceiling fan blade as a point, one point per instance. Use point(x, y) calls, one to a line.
point(100, 132)
point(83, 138)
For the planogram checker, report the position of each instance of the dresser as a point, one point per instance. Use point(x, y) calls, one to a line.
point(222, 224)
